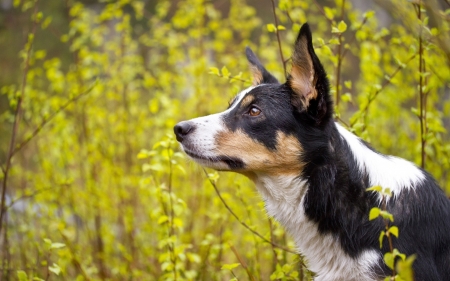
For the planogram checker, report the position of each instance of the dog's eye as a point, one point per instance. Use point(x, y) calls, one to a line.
point(254, 111)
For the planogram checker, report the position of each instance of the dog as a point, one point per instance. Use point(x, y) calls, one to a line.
point(313, 175)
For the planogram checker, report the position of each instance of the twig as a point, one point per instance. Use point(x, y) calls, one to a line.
point(18, 113)
point(172, 215)
point(373, 96)
point(28, 196)
point(243, 223)
point(354, 36)
point(422, 95)
point(322, 11)
point(48, 119)
point(278, 37)
point(242, 262)
point(339, 60)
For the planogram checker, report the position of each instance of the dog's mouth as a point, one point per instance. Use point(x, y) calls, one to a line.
point(233, 163)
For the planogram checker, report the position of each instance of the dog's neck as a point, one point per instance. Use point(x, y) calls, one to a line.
point(283, 196)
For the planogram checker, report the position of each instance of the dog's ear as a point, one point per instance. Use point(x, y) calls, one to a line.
point(259, 73)
point(308, 79)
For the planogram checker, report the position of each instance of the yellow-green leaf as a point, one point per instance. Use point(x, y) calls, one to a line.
point(394, 231)
point(342, 26)
point(374, 213)
point(271, 27)
point(230, 266)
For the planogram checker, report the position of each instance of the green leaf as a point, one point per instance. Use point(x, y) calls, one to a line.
point(334, 41)
point(404, 268)
point(374, 213)
point(386, 215)
point(55, 269)
point(386, 191)
point(342, 26)
point(397, 253)
point(46, 22)
point(329, 13)
point(214, 70)
point(213, 176)
point(348, 84)
point(369, 14)
point(142, 154)
point(230, 266)
point(347, 97)
point(163, 219)
point(389, 260)
point(376, 188)
point(22, 275)
point(271, 27)
point(225, 72)
point(280, 27)
point(57, 245)
point(380, 239)
point(393, 230)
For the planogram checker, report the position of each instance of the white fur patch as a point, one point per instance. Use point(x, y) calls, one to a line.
point(203, 138)
point(284, 197)
point(383, 170)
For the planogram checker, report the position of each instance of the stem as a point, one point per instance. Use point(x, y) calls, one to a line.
point(243, 223)
point(17, 114)
point(339, 58)
point(48, 119)
point(172, 215)
point(386, 227)
point(422, 95)
point(321, 10)
point(373, 96)
point(278, 37)
point(242, 262)
point(338, 70)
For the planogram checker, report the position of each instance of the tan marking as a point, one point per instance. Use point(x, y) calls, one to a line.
point(302, 79)
point(285, 159)
point(256, 75)
point(247, 100)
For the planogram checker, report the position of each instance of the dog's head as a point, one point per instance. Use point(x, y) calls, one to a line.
point(269, 127)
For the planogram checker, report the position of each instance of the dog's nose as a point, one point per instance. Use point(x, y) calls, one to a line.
point(182, 129)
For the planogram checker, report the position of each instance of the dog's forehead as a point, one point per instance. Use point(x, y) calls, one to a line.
point(240, 97)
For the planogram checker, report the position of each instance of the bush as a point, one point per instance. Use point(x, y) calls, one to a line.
point(94, 186)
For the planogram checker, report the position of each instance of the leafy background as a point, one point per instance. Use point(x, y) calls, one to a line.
point(94, 187)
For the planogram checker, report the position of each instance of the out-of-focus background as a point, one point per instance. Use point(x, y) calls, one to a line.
point(93, 185)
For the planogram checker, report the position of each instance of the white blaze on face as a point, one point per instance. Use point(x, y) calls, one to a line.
point(202, 140)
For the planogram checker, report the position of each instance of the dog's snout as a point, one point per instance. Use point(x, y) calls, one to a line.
point(182, 129)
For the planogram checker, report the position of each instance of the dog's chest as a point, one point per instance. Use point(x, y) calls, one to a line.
point(323, 252)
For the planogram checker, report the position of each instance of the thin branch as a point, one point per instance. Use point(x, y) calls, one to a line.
point(172, 215)
point(49, 118)
point(354, 35)
point(340, 58)
point(18, 112)
point(14, 201)
point(373, 96)
point(242, 262)
point(243, 223)
point(422, 95)
point(321, 10)
point(278, 37)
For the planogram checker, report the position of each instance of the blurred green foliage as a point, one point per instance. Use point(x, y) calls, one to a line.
point(95, 187)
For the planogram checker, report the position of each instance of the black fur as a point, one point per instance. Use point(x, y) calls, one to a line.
point(337, 199)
